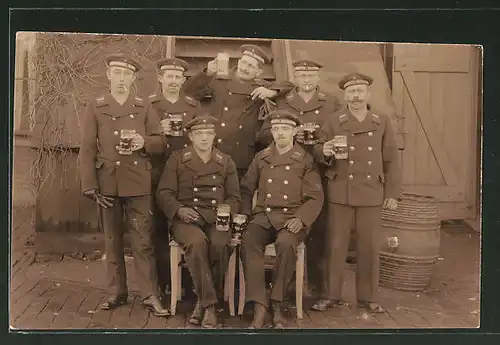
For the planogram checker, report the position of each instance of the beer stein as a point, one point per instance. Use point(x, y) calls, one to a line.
point(310, 133)
point(176, 124)
point(340, 147)
point(239, 224)
point(222, 64)
point(222, 222)
point(125, 146)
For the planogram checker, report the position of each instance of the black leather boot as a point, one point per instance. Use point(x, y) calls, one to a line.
point(279, 320)
point(209, 317)
point(114, 301)
point(153, 304)
point(197, 314)
point(259, 316)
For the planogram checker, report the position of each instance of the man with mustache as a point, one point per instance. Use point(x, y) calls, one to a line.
point(363, 176)
point(116, 174)
point(289, 200)
point(313, 106)
point(195, 181)
point(170, 104)
point(236, 102)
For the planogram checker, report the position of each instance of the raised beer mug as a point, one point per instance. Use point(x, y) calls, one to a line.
point(223, 219)
point(125, 146)
point(222, 64)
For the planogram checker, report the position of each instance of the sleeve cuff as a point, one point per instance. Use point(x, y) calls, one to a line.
point(173, 210)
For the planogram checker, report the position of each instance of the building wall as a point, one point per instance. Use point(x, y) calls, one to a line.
point(23, 192)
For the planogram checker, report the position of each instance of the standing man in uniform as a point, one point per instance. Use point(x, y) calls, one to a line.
point(306, 100)
point(289, 200)
point(361, 182)
point(313, 106)
point(169, 102)
point(236, 102)
point(118, 178)
point(195, 181)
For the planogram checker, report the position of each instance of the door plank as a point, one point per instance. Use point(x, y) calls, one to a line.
point(473, 172)
point(423, 151)
point(432, 58)
point(428, 126)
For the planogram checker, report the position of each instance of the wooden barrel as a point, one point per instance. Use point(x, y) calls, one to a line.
point(410, 243)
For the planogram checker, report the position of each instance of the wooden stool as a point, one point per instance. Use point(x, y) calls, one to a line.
point(270, 250)
point(176, 253)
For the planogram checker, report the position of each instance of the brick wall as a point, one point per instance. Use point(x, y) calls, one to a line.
point(22, 188)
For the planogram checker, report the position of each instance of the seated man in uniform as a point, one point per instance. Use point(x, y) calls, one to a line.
point(289, 200)
point(313, 106)
point(194, 182)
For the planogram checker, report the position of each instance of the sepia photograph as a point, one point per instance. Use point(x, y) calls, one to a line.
point(194, 182)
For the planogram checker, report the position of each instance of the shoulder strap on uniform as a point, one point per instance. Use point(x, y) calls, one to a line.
point(187, 156)
point(219, 157)
point(376, 118)
point(101, 101)
point(343, 118)
point(298, 155)
point(153, 98)
point(139, 101)
point(191, 101)
point(264, 153)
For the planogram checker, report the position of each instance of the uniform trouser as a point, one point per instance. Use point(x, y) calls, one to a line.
point(138, 221)
point(206, 252)
point(367, 227)
point(255, 239)
point(316, 253)
point(162, 247)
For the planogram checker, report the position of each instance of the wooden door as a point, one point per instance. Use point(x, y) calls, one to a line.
point(435, 88)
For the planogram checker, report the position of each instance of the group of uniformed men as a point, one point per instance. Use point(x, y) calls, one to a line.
point(294, 188)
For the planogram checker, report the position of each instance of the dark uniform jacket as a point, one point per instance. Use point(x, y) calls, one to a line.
point(188, 181)
point(289, 186)
point(101, 166)
point(238, 114)
point(186, 106)
point(319, 107)
point(371, 172)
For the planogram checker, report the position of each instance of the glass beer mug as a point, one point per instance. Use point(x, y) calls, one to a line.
point(176, 124)
point(340, 147)
point(239, 224)
point(310, 133)
point(222, 222)
point(222, 64)
point(125, 146)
